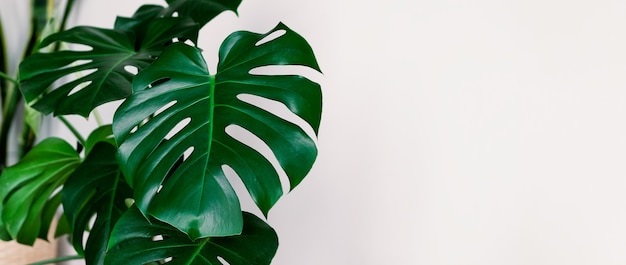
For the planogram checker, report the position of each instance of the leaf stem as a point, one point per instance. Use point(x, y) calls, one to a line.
point(198, 250)
point(3, 60)
point(96, 114)
point(56, 260)
point(66, 13)
point(71, 127)
point(3, 90)
point(28, 139)
point(9, 78)
point(8, 114)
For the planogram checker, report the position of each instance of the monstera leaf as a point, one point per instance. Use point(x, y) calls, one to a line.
point(181, 111)
point(95, 188)
point(136, 240)
point(105, 70)
point(27, 190)
point(201, 11)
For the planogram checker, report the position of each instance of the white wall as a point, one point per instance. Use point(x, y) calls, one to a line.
point(454, 132)
point(465, 132)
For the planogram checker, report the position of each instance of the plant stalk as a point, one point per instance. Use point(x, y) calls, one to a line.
point(3, 61)
point(8, 111)
point(66, 14)
point(4, 83)
point(75, 132)
point(56, 260)
point(98, 117)
point(8, 78)
point(28, 140)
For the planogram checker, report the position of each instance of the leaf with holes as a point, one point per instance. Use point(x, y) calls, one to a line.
point(104, 72)
point(28, 190)
point(136, 240)
point(95, 188)
point(188, 112)
point(201, 11)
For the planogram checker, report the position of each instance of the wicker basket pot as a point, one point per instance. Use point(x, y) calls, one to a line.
point(13, 253)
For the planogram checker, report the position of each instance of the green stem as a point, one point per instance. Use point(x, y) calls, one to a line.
point(79, 137)
point(96, 114)
point(28, 139)
point(8, 111)
point(57, 260)
point(198, 250)
point(32, 40)
point(66, 14)
point(3, 61)
point(9, 78)
point(4, 87)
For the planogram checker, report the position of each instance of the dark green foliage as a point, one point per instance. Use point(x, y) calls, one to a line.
point(151, 186)
point(136, 240)
point(27, 190)
point(95, 188)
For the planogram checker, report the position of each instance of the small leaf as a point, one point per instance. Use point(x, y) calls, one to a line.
point(136, 240)
point(27, 189)
point(95, 188)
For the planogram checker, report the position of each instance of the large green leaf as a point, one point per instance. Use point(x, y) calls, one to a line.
point(27, 190)
point(201, 11)
point(177, 92)
point(102, 73)
point(137, 241)
point(95, 188)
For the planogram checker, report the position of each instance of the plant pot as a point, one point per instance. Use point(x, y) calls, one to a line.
point(12, 253)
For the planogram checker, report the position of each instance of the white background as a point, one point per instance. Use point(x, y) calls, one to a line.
point(454, 132)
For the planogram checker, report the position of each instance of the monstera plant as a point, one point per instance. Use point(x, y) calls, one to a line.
point(151, 187)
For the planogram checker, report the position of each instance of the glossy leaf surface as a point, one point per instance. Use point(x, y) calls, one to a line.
point(95, 188)
point(103, 72)
point(27, 190)
point(137, 241)
point(189, 111)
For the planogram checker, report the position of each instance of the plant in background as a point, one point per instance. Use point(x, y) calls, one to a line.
point(151, 186)
point(16, 116)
